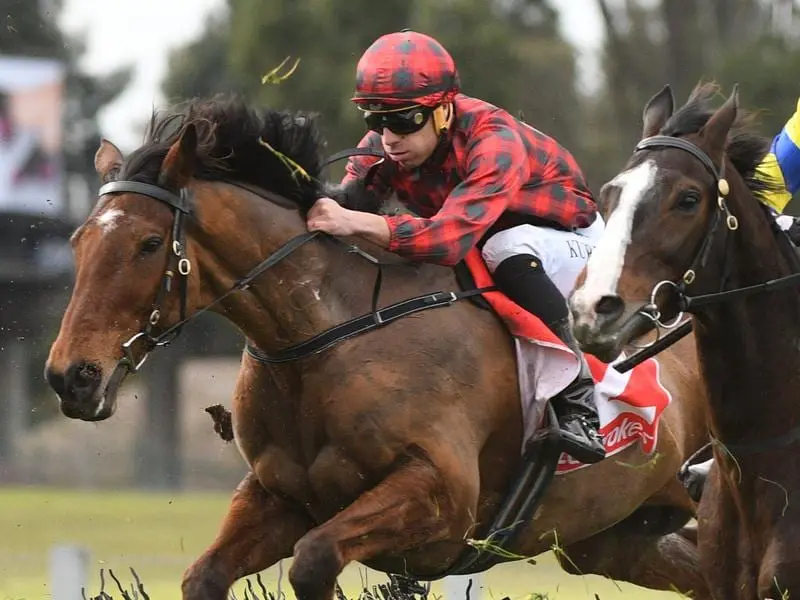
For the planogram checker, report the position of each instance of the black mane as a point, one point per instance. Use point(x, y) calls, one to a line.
point(746, 148)
point(229, 149)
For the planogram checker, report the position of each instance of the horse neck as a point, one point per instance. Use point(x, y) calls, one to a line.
point(748, 347)
point(317, 286)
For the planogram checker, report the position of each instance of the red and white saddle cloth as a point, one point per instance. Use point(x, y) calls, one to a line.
point(629, 404)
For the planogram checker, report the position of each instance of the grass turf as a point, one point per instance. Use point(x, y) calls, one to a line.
point(159, 535)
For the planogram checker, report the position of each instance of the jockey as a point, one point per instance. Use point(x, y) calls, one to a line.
point(780, 166)
point(474, 177)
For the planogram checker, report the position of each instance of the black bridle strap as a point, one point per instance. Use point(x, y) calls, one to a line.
point(242, 284)
point(349, 152)
point(373, 320)
point(655, 348)
point(363, 324)
point(180, 263)
point(688, 302)
point(666, 141)
point(176, 201)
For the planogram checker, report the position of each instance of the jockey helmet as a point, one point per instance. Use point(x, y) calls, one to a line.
point(406, 70)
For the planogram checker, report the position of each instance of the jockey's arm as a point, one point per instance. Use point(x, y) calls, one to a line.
point(352, 192)
point(496, 165)
point(781, 166)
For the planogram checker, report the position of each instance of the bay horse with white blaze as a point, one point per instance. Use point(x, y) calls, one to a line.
point(686, 232)
point(390, 448)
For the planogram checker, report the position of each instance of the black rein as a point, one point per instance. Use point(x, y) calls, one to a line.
point(179, 265)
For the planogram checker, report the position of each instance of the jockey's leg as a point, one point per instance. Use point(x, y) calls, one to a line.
point(694, 478)
point(791, 225)
point(536, 267)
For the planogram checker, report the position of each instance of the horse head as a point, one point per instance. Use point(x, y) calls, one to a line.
point(176, 223)
point(670, 214)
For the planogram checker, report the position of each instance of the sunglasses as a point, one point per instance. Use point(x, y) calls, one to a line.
point(400, 122)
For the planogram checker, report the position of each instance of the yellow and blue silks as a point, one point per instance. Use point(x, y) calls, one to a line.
point(782, 164)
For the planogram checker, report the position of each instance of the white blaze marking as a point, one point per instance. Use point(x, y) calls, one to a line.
point(109, 219)
point(605, 263)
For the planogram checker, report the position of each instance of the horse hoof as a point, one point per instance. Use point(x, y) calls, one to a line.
point(315, 567)
point(203, 583)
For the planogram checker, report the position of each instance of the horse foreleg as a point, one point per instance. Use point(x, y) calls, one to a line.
point(668, 562)
point(259, 530)
point(412, 506)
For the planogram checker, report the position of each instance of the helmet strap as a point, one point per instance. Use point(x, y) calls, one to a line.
point(442, 117)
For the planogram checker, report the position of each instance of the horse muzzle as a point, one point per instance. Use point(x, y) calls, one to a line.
point(608, 326)
point(605, 345)
point(83, 391)
point(596, 325)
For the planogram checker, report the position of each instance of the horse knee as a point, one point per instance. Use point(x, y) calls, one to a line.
point(316, 564)
point(202, 581)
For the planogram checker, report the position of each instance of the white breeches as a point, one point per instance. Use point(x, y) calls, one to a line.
point(563, 253)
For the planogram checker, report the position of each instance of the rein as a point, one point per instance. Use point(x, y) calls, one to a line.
point(180, 266)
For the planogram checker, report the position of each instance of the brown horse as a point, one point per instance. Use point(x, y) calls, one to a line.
point(684, 214)
point(391, 448)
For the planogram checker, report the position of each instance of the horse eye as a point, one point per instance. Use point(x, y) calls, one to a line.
point(688, 201)
point(150, 245)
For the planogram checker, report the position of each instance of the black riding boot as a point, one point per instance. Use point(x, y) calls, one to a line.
point(575, 406)
point(694, 478)
point(694, 472)
point(523, 279)
point(794, 232)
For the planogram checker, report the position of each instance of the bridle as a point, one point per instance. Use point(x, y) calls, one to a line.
point(179, 266)
point(688, 303)
point(721, 188)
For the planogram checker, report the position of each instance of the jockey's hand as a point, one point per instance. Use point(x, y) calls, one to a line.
point(331, 217)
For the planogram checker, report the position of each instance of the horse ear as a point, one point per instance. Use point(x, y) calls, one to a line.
point(657, 110)
point(107, 161)
point(178, 165)
point(715, 131)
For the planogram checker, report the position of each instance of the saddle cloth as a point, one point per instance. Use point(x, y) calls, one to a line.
point(629, 404)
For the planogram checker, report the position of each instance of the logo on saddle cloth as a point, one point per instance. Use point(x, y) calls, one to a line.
point(629, 404)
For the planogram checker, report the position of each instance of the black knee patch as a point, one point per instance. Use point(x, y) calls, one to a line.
point(523, 279)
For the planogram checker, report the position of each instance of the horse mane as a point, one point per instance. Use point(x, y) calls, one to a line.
point(745, 148)
point(231, 137)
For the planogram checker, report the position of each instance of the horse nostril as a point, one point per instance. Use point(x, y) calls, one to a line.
point(609, 306)
point(83, 377)
point(56, 380)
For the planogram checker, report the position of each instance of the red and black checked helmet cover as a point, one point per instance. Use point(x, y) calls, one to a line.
point(406, 67)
